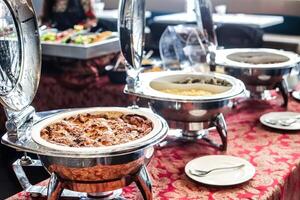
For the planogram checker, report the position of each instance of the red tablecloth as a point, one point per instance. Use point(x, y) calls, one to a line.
point(275, 154)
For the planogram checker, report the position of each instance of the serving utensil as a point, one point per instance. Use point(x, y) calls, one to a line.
point(287, 122)
point(149, 54)
point(283, 121)
point(197, 172)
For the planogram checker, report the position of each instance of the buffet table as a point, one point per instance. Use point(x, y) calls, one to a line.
point(257, 21)
point(275, 154)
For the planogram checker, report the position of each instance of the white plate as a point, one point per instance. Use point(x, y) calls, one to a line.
point(296, 95)
point(221, 177)
point(280, 115)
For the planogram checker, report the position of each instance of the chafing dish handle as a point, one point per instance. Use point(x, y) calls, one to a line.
point(18, 119)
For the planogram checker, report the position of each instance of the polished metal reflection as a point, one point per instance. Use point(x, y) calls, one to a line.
point(131, 26)
point(204, 10)
point(93, 175)
point(190, 111)
point(21, 54)
point(57, 186)
point(256, 76)
point(10, 51)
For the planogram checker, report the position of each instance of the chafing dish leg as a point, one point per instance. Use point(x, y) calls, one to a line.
point(283, 88)
point(55, 188)
point(26, 161)
point(144, 184)
point(220, 124)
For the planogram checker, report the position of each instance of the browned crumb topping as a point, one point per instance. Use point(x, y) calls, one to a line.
point(97, 130)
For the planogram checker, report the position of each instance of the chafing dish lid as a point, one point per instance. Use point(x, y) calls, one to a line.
point(234, 58)
point(131, 26)
point(20, 60)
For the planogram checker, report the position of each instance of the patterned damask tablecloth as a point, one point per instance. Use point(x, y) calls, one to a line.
point(275, 154)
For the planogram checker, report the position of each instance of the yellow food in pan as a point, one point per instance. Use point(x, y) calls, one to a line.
point(189, 92)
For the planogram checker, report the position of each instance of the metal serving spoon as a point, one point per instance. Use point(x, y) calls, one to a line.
point(202, 173)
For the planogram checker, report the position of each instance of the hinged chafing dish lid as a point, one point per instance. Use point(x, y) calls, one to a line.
point(20, 61)
point(131, 31)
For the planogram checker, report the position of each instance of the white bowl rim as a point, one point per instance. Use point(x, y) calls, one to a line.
point(156, 121)
point(222, 58)
point(237, 87)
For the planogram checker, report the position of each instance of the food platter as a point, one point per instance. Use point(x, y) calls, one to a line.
point(78, 42)
point(83, 52)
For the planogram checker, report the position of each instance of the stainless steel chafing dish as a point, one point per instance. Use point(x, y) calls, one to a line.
point(266, 73)
point(85, 172)
point(193, 116)
point(75, 172)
